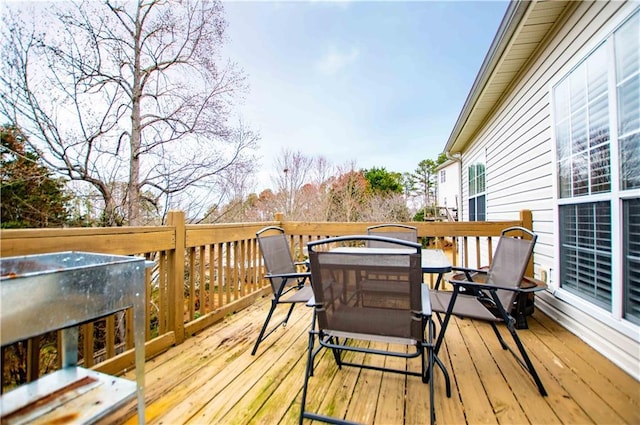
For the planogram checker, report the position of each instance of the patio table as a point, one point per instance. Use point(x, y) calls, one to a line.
point(433, 260)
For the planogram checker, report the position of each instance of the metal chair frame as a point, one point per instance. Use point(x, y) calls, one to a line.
point(339, 341)
point(485, 297)
point(287, 284)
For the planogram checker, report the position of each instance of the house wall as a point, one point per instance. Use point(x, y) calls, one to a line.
point(449, 190)
point(517, 145)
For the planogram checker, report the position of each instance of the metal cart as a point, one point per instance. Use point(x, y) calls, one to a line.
point(48, 292)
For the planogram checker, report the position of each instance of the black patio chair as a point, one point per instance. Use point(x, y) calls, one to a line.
point(349, 307)
point(288, 284)
point(489, 294)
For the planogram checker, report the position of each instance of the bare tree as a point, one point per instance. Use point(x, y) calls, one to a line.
point(292, 169)
point(124, 92)
point(316, 197)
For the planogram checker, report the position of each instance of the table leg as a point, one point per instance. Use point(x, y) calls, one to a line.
point(438, 280)
point(447, 317)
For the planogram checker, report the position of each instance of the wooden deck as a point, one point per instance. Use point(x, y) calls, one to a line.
point(212, 378)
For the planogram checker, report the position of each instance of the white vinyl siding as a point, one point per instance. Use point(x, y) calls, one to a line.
point(520, 159)
point(449, 188)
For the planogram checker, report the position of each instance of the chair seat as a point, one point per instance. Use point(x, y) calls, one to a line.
point(466, 306)
point(369, 337)
point(300, 296)
point(368, 321)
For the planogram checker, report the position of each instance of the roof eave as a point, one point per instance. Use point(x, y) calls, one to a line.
point(510, 22)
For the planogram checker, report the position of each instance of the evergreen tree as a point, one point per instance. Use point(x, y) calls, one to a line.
point(29, 195)
point(383, 182)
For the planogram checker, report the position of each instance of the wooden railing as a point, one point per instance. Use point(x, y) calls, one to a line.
point(204, 272)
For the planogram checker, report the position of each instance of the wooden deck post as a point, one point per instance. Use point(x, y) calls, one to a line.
point(176, 275)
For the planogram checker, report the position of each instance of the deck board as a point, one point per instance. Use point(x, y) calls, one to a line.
point(212, 378)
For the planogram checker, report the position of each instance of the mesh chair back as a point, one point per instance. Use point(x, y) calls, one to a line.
point(368, 293)
point(395, 231)
point(276, 253)
point(510, 263)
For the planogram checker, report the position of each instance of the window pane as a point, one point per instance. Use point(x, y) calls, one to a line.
point(629, 105)
point(585, 251)
point(599, 122)
point(472, 180)
point(578, 88)
point(580, 175)
point(600, 169)
point(563, 140)
point(630, 161)
point(632, 260)
point(597, 73)
point(481, 208)
point(472, 209)
point(564, 179)
point(579, 130)
point(480, 178)
point(627, 48)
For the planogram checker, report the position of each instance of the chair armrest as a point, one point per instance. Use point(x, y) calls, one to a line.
point(470, 272)
point(528, 285)
point(289, 275)
point(468, 269)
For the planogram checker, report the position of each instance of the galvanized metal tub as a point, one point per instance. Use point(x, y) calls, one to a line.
point(46, 292)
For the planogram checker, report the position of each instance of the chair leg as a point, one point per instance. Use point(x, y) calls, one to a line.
point(436, 359)
point(264, 327)
point(286, 319)
point(307, 374)
point(337, 354)
point(431, 365)
point(510, 322)
point(432, 409)
point(503, 344)
point(313, 332)
point(447, 380)
point(527, 360)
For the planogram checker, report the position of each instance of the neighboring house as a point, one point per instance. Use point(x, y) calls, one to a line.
point(448, 184)
point(552, 125)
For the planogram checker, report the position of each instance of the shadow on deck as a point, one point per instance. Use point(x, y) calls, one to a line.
point(212, 378)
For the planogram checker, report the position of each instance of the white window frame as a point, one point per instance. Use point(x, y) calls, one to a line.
point(615, 317)
point(478, 159)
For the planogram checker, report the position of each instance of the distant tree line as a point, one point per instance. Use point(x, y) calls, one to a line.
point(307, 189)
point(312, 189)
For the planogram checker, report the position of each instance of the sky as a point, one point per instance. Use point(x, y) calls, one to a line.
point(378, 83)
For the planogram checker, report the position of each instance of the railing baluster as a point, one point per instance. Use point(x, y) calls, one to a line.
point(203, 281)
point(192, 282)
